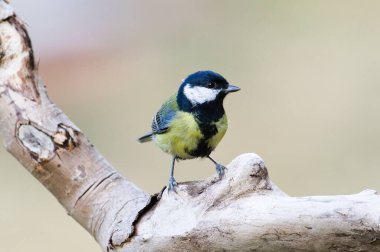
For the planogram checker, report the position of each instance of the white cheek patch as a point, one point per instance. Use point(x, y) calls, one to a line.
point(200, 95)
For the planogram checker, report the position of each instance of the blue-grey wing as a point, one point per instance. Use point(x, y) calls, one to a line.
point(164, 117)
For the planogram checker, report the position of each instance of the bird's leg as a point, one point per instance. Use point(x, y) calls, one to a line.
point(220, 169)
point(172, 183)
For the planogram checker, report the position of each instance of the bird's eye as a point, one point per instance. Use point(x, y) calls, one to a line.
point(211, 85)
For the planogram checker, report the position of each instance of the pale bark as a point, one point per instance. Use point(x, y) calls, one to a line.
point(244, 211)
point(54, 150)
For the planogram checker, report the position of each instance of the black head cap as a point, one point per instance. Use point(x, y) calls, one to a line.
point(203, 89)
point(208, 79)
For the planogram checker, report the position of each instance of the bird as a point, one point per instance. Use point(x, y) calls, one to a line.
point(192, 122)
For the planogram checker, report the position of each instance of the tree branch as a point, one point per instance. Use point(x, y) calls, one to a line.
point(53, 149)
point(247, 212)
point(244, 211)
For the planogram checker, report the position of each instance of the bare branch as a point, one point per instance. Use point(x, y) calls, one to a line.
point(53, 149)
point(247, 212)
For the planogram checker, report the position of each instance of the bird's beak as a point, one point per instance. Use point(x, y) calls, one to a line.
point(231, 88)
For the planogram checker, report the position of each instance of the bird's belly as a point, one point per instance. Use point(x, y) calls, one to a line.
point(221, 128)
point(182, 137)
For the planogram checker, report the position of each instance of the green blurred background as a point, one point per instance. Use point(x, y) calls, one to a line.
point(309, 105)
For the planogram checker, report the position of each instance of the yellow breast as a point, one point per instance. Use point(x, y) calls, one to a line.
point(182, 136)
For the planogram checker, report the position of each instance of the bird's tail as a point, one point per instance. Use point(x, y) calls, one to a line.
point(146, 138)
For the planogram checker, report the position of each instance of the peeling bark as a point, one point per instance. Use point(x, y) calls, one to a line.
point(37, 133)
point(246, 212)
point(243, 211)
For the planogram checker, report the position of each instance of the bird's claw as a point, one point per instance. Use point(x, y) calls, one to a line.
point(172, 185)
point(221, 170)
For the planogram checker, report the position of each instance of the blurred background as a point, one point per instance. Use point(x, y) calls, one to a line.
point(309, 104)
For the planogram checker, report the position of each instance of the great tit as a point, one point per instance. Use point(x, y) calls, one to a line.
point(191, 123)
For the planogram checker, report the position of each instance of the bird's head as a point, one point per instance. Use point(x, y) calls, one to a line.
point(205, 87)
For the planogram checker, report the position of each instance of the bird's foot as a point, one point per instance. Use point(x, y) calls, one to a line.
point(172, 184)
point(221, 170)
